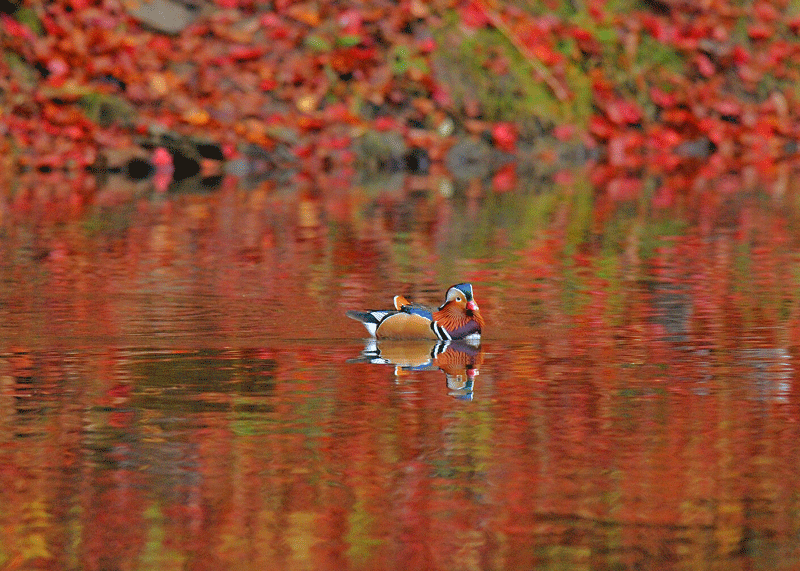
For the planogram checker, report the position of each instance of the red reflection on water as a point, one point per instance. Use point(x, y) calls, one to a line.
point(295, 459)
point(636, 405)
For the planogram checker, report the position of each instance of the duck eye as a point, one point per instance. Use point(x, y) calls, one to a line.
point(458, 299)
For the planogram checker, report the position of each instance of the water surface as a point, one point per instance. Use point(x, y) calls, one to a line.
point(180, 388)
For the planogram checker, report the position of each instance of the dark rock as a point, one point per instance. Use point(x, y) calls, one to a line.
point(167, 16)
point(697, 149)
point(139, 169)
point(470, 159)
point(381, 152)
point(418, 161)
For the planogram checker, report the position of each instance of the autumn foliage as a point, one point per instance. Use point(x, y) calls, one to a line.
point(656, 84)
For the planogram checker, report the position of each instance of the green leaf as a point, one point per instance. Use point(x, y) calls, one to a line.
point(28, 17)
point(318, 43)
point(400, 60)
point(348, 41)
point(606, 35)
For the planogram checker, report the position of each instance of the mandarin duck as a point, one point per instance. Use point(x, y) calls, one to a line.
point(457, 318)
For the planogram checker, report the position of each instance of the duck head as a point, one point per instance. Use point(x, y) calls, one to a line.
point(460, 315)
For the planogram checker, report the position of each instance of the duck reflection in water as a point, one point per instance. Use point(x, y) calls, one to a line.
point(460, 360)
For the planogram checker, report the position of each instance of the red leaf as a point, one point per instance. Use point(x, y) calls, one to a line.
point(579, 34)
point(765, 12)
point(664, 196)
point(427, 45)
point(564, 177)
point(600, 127)
point(715, 129)
point(623, 112)
point(161, 45)
point(73, 132)
point(564, 132)
point(624, 188)
point(303, 151)
point(705, 65)
point(741, 55)
point(386, 123)
point(271, 20)
point(16, 29)
point(729, 108)
point(662, 98)
point(351, 21)
point(336, 143)
point(597, 10)
point(50, 26)
point(162, 159)
point(473, 16)
point(245, 53)
point(441, 96)
point(505, 136)
point(759, 31)
point(505, 179)
point(57, 67)
point(677, 116)
point(310, 123)
point(546, 54)
point(659, 29)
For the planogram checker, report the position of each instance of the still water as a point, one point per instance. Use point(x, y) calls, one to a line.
point(180, 388)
